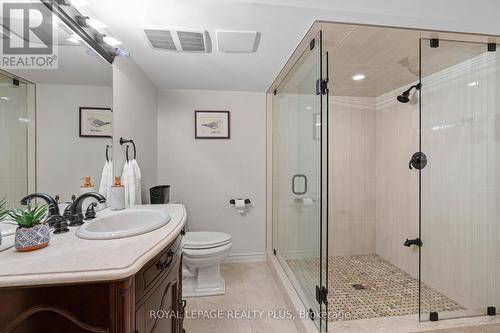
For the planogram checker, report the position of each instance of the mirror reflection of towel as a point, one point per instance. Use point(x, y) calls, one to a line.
point(106, 180)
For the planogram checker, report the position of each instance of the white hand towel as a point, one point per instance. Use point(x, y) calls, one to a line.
point(132, 197)
point(137, 181)
point(104, 177)
point(106, 180)
point(126, 181)
point(109, 181)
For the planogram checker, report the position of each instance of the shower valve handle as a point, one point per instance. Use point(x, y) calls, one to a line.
point(418, 161)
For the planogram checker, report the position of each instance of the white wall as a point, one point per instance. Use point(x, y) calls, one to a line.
point(63, 158)
point(206, 174)
point(135, 117)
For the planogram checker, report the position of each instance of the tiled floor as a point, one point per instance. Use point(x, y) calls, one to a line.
point(367, 286)
point(251, 292)
point(252, 287)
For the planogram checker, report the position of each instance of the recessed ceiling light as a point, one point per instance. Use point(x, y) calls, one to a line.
point(308, 107)
point(5, 98)
point(358, 77)
point(111, 41)
point(472, 84)
point(96, 24)
point(24, 120)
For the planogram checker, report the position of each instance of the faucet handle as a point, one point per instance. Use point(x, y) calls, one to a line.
point(67, 211)
point(90, 212)
point(60, 224)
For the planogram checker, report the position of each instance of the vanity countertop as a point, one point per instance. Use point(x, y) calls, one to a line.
point(70, 259)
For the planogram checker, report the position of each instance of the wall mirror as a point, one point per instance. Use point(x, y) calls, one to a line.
point(56, 122)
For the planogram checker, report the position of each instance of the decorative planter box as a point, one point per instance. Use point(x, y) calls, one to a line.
point(30, 239)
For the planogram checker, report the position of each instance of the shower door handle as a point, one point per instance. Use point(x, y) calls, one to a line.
point(294, 178)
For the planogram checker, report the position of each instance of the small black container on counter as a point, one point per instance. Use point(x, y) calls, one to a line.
point(159, 194)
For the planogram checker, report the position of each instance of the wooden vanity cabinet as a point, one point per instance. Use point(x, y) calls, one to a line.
point(158, 291)
point(148, 302)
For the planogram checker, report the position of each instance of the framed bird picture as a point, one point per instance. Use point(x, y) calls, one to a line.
point(96, 122)
point(211, 124)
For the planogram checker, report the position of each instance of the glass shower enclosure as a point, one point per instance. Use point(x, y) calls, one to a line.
point(16, 132)
point(300, 187)
point(414, 205)
point(459, 196)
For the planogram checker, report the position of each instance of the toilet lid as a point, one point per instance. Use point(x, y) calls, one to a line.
point(205, 239)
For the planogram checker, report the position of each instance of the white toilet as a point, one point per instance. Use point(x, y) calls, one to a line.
point(203, 252)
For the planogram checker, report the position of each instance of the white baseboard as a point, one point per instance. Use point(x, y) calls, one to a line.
point(245, 257)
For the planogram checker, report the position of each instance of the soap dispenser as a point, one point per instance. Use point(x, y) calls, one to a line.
point(117, 194)
point(87, 185)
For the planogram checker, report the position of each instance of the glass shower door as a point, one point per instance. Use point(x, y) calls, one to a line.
point(460, 185)
point(14, 126)
point(298, 203)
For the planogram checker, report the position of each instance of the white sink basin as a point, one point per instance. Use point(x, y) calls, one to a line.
point(126, 223)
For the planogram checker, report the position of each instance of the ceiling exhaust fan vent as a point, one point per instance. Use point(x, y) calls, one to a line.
point(161, 39)
point(178, 40)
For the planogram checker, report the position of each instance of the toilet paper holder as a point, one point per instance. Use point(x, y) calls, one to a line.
point(232, 201)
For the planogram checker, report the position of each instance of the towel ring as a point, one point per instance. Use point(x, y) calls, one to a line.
point(122, 141)
point(126, 153)
point(107, 152)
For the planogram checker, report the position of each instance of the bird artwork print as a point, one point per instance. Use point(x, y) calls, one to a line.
point(95, 122)
point(213, 125)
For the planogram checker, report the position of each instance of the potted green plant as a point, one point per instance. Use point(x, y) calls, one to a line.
point(32, 233)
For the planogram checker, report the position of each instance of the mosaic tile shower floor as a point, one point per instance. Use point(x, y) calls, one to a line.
point(368, 286)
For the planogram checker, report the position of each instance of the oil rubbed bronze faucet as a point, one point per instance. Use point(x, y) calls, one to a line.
point(53, 207)
point(54, 218)
point(76, 217)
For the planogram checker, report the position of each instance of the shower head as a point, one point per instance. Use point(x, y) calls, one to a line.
point(405, 95)
point(403, 98)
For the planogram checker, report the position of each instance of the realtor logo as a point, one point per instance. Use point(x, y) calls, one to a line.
point(28, 37)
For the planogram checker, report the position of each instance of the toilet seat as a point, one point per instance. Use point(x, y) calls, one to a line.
point(201, 240)
point(212, 252)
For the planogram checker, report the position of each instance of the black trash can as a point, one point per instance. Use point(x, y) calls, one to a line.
point(159, 194)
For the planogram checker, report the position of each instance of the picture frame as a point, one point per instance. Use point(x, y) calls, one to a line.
point(212, 124)
point(95, 122)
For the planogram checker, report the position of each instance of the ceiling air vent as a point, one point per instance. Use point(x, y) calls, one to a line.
point(161, 39)
point(178, 40)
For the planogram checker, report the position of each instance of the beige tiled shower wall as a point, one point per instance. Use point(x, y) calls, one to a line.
point(461, 186)
point(396, 184)
point(374, 194)
point(352, 177)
